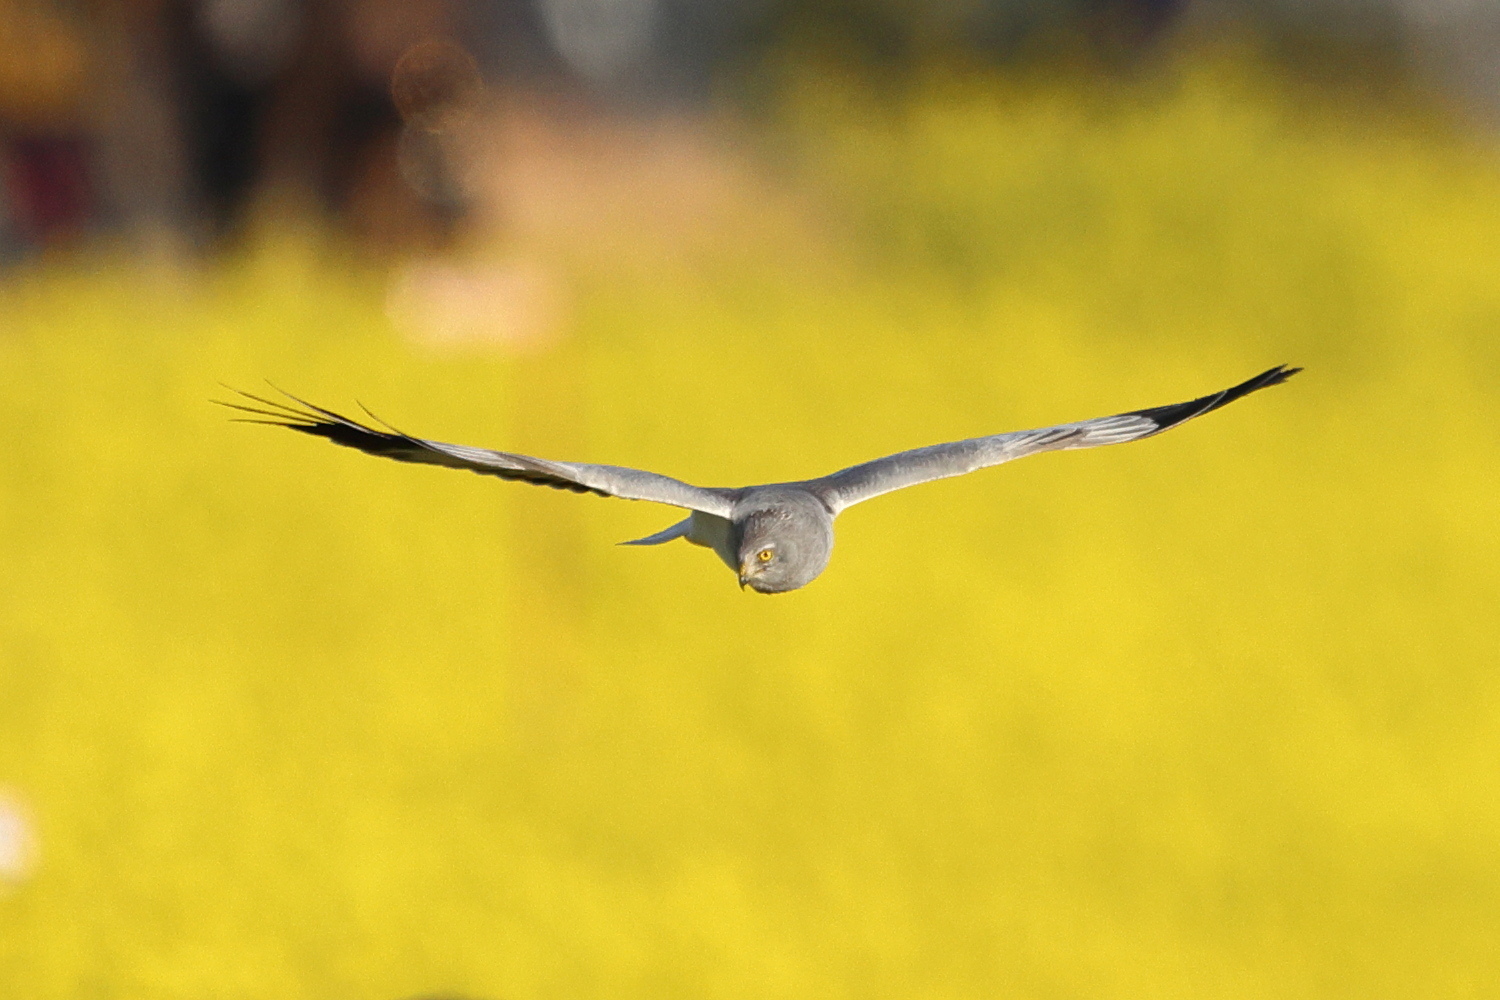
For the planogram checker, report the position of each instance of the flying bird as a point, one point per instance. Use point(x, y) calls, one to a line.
point(777, 537)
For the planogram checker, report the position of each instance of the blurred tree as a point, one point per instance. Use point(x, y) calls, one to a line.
point(44, 68)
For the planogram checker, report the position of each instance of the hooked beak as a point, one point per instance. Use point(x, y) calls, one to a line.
point(746, 572)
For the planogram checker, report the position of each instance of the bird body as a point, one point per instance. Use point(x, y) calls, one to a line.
point(788, 518)
point(776, 537)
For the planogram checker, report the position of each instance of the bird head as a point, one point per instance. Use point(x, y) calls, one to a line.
point(783, 549)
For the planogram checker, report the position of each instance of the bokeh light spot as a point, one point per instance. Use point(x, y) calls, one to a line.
point(505, 308)
point(436, 85)
point(17, 840)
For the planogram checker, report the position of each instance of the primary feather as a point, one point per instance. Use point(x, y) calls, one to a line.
point(603, 480)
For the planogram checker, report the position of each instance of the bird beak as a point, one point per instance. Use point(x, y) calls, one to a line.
point(746, 572)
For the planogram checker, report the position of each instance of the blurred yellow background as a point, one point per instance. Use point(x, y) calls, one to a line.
point(1213, 715)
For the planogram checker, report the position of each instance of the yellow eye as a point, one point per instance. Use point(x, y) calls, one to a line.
point(764, 555)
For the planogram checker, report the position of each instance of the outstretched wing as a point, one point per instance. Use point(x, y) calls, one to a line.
point(908, 468)
point(604, 480)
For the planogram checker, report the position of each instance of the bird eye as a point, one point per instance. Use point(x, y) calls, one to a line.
point(764, 555)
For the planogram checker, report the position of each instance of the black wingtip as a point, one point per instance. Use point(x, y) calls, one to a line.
point(1176, 413)
point(1272, 376)
point(1269, 377)
point(314, 420)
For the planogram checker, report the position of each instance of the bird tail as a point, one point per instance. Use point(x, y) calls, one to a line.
point(678, 530)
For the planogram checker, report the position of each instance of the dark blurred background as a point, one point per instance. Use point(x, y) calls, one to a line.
point(163, 120)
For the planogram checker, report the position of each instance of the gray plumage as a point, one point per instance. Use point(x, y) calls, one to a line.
point(777, 537)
